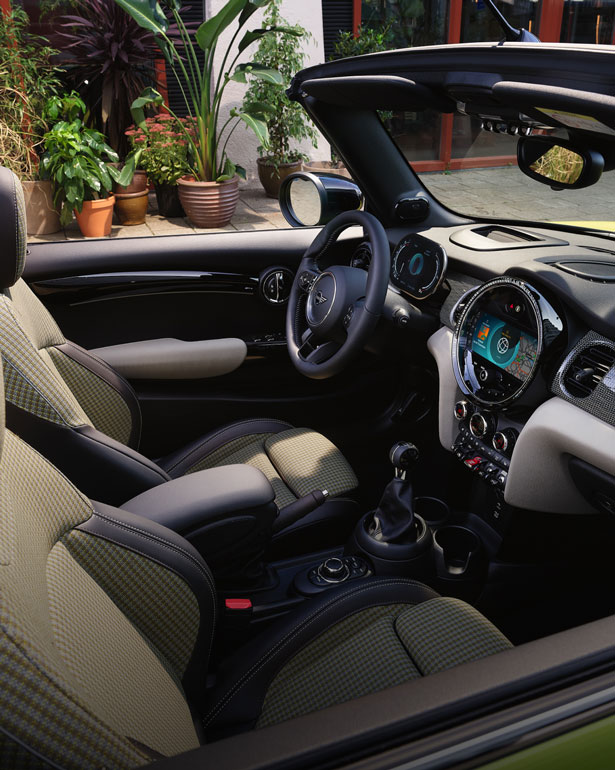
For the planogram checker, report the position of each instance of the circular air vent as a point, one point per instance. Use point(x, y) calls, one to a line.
point(587, 370)
point(274, 285)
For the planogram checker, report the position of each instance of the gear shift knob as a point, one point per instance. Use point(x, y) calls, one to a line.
point(402, 456)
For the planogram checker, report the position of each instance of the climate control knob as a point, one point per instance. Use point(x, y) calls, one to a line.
point(481, 424)
point(461, 410)
point(504, 440)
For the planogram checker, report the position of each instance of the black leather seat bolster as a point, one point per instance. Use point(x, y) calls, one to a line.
point(98, 465)
point(102, 369)
point(236, 703)
point(169, 549)
point(178, 463)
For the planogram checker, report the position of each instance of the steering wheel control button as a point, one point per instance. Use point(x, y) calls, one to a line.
point(321, 299)
point(306, 280)
point(348, 316)
point(334, 570)
point(461, 410)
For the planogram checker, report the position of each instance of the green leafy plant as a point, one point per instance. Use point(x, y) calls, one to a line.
point(285, 120)
point(201, 88)
point(27, 80)
point(162, 147)
point(366, 40)
point(78, 159)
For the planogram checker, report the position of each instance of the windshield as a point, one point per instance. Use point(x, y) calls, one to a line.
point(481, 177)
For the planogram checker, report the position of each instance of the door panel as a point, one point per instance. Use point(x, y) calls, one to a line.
point(205, 287)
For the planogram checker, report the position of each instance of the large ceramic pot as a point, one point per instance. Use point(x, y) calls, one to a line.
point(131, 208)
point(208, 204)
point(95, 217)
point(167, 197)
point(271, 177)
point(42, 216)
point(326, 165)
point(139, 183)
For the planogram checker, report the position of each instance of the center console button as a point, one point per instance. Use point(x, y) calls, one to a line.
point(334, 570)
point(461, 410)
point(481, 423)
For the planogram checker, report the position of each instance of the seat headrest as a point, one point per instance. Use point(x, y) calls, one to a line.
point(13, 228)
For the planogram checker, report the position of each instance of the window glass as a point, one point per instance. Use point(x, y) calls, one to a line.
point(588, 22)
point(478, 23)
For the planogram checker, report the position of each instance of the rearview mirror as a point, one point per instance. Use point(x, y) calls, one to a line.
point(558, 163)
point(308, 200)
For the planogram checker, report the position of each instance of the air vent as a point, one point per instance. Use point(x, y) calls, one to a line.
point(588, 369)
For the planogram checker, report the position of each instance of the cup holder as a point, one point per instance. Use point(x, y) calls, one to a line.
point(456, 552)
point(433, 510)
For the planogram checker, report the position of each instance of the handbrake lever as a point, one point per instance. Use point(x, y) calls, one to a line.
point(299, 508)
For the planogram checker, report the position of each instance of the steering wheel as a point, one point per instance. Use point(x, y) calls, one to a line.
point(331, 313)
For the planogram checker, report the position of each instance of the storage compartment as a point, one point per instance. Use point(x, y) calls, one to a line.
point(226, 513)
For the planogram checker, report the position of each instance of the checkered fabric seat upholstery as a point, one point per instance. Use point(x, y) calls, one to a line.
point(70, 404)
point(107, 622)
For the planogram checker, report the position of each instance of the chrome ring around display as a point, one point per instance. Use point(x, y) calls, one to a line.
point(529, 294)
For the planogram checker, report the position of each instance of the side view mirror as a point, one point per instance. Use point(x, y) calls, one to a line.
point(558, 163)
point(307, 199)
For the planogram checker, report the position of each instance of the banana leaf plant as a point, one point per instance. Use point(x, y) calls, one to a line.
point(202, 89)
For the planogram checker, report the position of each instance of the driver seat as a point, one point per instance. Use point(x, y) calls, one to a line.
point(85, 417)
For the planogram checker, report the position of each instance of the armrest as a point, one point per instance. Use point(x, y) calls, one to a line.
point(226, 513)
point(171, 359)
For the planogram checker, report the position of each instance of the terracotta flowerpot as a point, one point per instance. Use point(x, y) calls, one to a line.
point(95, 217)
point(131, 208)
point(139, 183)
point(167, 197)
point(208, 204)
point(43, 217)
point(271, 178)
point(326, 165)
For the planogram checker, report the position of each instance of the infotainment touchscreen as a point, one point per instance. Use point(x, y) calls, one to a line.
point(502, 344)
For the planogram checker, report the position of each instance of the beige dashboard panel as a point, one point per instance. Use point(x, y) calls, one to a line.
point(440, 346)
point(171, 359)
point(538, 477)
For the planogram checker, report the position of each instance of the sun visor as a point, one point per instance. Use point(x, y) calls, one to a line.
point(377, 92)
point(556, 106)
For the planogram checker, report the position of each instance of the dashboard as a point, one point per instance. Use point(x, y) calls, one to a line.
point(526, 370)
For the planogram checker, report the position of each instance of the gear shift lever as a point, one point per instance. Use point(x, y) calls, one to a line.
point(393, 520)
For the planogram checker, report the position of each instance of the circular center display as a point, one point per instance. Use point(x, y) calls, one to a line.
point(418, 266)
point(497, 342)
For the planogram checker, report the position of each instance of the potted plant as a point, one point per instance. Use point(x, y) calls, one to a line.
point(163, 156)
point(27, 80)
point(79, 163)
point(209, 193)
point(285, 120)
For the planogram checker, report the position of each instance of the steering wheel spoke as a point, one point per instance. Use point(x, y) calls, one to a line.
point(322, 352)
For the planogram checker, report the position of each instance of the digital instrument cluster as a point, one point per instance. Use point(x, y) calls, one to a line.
point(418, 266)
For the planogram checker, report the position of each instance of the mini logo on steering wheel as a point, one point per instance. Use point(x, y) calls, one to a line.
point(320, 298)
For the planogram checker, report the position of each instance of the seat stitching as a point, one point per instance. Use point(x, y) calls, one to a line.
point(150, 536)
point(150, 558)
point(34, 387)
point(291, 635)
point(220, 432)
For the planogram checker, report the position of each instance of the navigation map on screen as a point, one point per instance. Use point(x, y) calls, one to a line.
point(505, 346)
